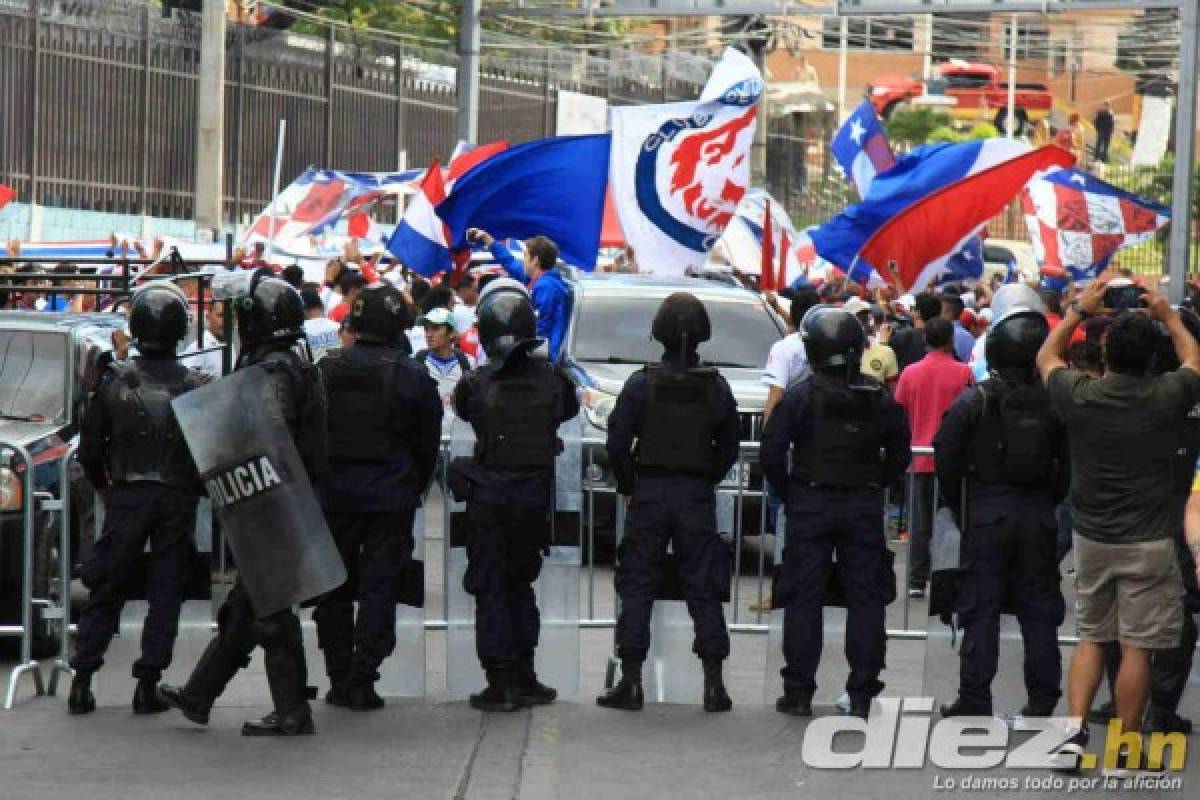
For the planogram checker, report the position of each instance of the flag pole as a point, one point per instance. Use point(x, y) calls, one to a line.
point(279, 137)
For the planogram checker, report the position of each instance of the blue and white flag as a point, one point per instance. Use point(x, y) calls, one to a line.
point(861, 148)
point(679, 170)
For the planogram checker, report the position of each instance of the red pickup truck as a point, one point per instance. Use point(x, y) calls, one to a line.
point(970, 93)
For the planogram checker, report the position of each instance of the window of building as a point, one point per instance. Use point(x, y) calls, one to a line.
point(873, 33)
point(1033, 40)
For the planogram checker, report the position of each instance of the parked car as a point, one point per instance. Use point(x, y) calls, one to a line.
point(977, 92)
point(609, 339)
point(48, 362)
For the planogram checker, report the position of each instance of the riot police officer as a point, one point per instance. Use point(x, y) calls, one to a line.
point(1003, 437)
point(848, 440)
point(514, 404)
point(385, 420)
point(132, 451)
point(684, 419)
point(270, 320)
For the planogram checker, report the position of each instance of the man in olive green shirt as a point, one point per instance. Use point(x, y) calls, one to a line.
point(1123, 430)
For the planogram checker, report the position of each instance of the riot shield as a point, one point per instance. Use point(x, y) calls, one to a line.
point(403, 673)
point(266, 506)
point(557, 587)
point(832, 671)
point(114, 686)
point(463, 673)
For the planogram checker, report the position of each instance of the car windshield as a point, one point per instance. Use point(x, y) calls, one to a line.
point(617, 330)
point(32, 382)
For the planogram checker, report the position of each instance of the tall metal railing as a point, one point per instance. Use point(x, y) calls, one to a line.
point(23, 472)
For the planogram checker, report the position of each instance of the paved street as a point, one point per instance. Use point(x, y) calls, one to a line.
point(433, 747)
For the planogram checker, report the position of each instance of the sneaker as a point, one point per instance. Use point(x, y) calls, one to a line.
point(916, 592)
point(1068, 754)
point(1127, 767)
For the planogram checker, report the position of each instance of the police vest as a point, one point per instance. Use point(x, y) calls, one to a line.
point(519, 424)
point(676, 431)
point(147, 444)
point(362, 413)
point(1187, 452)
point(1013, 442)
point(845, 450)
point(306, 399)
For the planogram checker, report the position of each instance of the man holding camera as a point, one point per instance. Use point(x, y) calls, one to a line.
point(1123, 430)
point(549, 292)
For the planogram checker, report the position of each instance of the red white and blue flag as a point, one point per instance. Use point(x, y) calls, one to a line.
point(1077, 222)
point(861, 148)
point(317, 199)
point(922, 212)
point(421, 241)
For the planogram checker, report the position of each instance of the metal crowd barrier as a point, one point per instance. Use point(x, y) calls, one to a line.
point(25, 630)
point(736, 485)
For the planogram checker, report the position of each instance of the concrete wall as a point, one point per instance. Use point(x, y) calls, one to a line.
point(40, 223)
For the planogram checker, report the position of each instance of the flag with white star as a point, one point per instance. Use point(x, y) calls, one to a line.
point(1078, 222)
point(861, 148)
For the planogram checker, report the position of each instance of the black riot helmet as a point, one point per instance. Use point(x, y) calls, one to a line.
point(1013, 340)
point(272, 311)
point(506, 319)
point(158, 317)
point(832, 337)
point(380, 315)
point(681, 323)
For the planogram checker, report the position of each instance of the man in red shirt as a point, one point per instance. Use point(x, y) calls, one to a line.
point(926, 390)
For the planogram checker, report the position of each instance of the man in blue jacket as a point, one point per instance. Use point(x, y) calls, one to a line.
point(550, 294)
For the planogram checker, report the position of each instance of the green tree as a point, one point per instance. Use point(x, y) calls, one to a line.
point(915, 125)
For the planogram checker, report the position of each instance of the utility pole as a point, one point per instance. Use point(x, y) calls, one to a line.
point(1011, 117)
point(210, 119)
point(468, 71)
point(758, 45)
point(843, 54)
point(1185, 153)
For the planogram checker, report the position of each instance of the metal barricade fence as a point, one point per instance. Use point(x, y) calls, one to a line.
point(22, 476)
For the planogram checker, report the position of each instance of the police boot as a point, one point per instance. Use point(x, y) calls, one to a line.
point(860, 706)
point(796, 702)
point(1038, 708)
point(146, 699)
point(530, 690)
point(627, 695)
point(715, 696)
point(363, 697)
point(964, 708)
point(287, 678)
point(501, 692)
point(193, 709)
point(1160, 720)
point(81, 700)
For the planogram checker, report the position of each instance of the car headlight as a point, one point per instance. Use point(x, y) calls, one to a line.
point(10, 490)
point(598, 406)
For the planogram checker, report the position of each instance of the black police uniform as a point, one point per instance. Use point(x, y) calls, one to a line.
point(1003, 437)
point(684, 418)
point(301, 399)
point(385, 421)
point(131, 449)
point(834, 504)
point(515, 408)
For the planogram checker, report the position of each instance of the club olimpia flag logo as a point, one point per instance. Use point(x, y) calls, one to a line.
point(679, 170)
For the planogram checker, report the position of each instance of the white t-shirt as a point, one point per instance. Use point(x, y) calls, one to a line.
point(464, 317)
point(322, 335)
point(447, 374)
point(786, 363)
point(209, 362)
point(416, 338)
